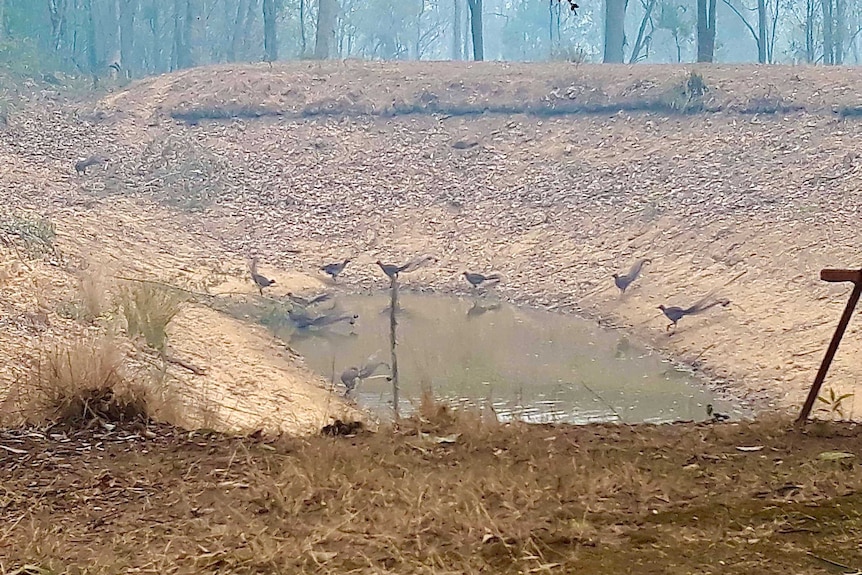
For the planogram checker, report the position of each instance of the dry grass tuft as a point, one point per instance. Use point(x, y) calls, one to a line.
point(91, 303)
point(148, 309)
point(434, 416)
point(30, 237)
point(78, 384)
point(94, 296)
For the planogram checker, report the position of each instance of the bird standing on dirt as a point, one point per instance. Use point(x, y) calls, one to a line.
point(259, 280)
point(674, 313)
point(478, 279)
point(82, 165)
point(334, 269)
point(624, 281)
point(716, 416)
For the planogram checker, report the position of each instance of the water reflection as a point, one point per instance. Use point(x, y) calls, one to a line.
point(525, 364)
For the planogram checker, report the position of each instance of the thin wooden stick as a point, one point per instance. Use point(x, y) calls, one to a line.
point(393, 324)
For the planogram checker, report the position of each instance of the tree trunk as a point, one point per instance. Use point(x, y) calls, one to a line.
point(324, 42)
point(154, 64)
point(57, 11)
point(113, 56)
point(456, 32)
point(303, 43)
point(838, 26)
point(762, 32)
point(181, 56)
point(809, 31)
point(249, 33)
point(270, 40)
point(705, 30)
point(92, 55)
point(468, 38)
point(615, 31)
point(758, 35)
point(237, 32)
point(828, 43)
point(770, 51)
point(476, 29)
point(129, 55)
point(639, 42)
point(417, 46)
point(194, 31)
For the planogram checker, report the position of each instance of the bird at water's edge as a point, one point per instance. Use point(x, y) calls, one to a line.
point(675, 313)
point(390, 270)
point(716, 416)
point(353, 376)
point(476, 279)
point(259, 280)
point(335, 268)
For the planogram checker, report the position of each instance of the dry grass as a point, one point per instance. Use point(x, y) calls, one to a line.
point(76, 384)
point(91, 303)
point(148, 309)
point(94, 296)
point(446, 493)
point(29, 237)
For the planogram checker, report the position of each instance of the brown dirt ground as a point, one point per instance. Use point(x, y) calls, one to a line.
point(747, 205)
point(443, 495)
point(249, 380)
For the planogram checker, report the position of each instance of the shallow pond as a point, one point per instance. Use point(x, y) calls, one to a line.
point(532, 365)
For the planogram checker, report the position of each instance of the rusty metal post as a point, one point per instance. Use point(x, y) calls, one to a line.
point(854, 276)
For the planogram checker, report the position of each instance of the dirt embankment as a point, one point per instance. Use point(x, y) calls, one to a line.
point(744, 187)
point(742, 201)
point(230, 375)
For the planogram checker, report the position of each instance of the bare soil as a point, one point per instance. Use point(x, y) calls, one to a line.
point(245, 378)
point(747, 196)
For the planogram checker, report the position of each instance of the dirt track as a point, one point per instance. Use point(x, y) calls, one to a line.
point(748, 206)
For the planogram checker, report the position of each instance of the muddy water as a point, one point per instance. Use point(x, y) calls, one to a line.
point(531, 365)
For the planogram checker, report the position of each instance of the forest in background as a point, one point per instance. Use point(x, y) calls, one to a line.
point(135, 38)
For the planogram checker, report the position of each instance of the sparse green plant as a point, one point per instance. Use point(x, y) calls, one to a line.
point(34, 236)
point(695, 86)
point(833, 404)
point(148, 309)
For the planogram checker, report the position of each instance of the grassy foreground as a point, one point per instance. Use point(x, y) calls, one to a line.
point(443, 494)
